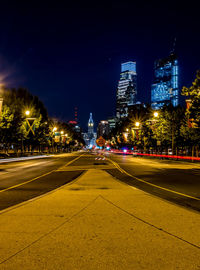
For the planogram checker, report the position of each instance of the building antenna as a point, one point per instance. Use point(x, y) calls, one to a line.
point(76, 114)
point(173, 46)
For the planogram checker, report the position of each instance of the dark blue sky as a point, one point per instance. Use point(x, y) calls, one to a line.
point(70, 55)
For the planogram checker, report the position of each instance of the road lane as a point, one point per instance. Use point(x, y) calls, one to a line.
point(176, 181)
point(12, 174)
point(18, 186)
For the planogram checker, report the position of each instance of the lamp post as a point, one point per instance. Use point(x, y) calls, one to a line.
point(1, 104)
point(30, 126)
point(1, 98)
point(27, 113)
point(54, 129)
point(136, 128)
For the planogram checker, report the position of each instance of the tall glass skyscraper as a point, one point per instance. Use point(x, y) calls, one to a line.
point(164, 89)
point(127, 89)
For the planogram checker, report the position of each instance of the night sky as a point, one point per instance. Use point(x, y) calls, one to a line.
point(70, 55)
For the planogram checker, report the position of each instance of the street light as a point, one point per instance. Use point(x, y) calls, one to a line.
point(54, 129)
point(155, 114)
point(137, 124)
point(27, 113)
point(62, 132)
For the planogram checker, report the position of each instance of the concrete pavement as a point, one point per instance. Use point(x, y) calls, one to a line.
point(97, 222)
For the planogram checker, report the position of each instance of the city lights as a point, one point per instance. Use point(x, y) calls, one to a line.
point(27, 113)
point(155, 114)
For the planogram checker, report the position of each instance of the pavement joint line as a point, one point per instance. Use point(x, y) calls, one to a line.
point(153, 185)
point(51, 231)
point(150, 224)
point(13, 207)
point(40, 176)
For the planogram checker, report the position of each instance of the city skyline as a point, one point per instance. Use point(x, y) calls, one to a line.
point(99, 165)
point(75, 60)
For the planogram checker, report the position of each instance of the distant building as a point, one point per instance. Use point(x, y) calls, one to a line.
point(90, 125)
point(74, 125)
point(103, 129)
point(164, 89)
point(136, 107)
point(127, 89)
point(90, 136)
point(112, 122)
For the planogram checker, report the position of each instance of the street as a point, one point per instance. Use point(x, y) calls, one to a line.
point(90, 211)
point(175, 181)
point(172, 180)
point(23, 180)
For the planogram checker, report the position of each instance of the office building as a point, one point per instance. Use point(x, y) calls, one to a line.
point(103, 129)
point(164, 89)
point(112, 122)
point(127, 89)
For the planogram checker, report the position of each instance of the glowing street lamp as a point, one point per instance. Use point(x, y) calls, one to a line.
point(1, 104)
point(155, 114)
point(137, 124)
point(62, 132)
point(27, 113)
point(54, 129)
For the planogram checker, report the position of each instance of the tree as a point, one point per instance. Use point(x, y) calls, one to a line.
point(12, 125)
point(193, 95)
point(167, 128)
point(191, 128)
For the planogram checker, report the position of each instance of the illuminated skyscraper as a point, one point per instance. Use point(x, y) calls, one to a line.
point(90, 136)
point(164, 90)
point(127, 89)
point(90, 125)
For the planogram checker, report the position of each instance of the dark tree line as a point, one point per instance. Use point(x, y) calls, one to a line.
point(26, 126)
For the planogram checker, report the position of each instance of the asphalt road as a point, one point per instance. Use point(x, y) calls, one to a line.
point(175, 181)
point(24, 180)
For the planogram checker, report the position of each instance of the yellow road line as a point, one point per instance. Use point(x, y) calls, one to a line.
point(69, 163)
point(153, 185)
point(18, 185)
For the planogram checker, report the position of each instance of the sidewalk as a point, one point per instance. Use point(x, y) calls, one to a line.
point(95, 223)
